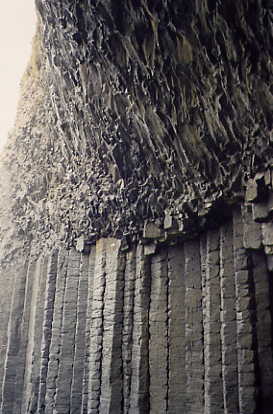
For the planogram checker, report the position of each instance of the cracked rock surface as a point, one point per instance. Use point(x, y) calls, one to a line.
point(142, 110)
point(136, 242)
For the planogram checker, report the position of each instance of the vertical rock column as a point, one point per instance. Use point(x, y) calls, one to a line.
point(26, 333)
point(88, 327)
point(139, 398)
point(68, 336)
point(34, 333)
point(80, 338)
point(176, 330)
point(30, 400)
point(111, 367)
point(244, 317)
point(56, 339)
point(158, 327)
point(263, 327)
point(194, 344)
point(212, 341)
point(97, 329)
point(16, 346)
point(10, 279)
point(48, 312)
point(228, 319)
point(128, 320)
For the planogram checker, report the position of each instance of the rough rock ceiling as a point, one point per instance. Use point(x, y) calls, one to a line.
point(148, 110)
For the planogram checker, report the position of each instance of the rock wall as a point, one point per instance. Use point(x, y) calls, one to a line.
point(139, 111)
point(186, 329)
point(136, 246)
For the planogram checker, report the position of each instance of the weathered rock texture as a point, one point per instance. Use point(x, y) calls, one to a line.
point(140, 109)
point(187, 329)
point(136, 212)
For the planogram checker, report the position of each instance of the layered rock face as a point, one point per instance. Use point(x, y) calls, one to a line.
point(136, 216)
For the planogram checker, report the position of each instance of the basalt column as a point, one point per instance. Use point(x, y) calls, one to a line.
point(136, 235)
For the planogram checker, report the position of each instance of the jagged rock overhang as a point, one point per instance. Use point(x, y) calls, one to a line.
point(126, 154)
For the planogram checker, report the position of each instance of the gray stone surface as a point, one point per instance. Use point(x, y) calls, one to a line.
point(263, 322)
point(150, 119)
point(213, 387)
point(194, 338)
point(111, 366)
point(139, 397)
point(184, 330)
point(136, 247)
point(88, 327)
point(176, 331)
point(159, 334)
point(47, 324)
point(228, 322)
point(97, 329)
point(55, 345)
point(244, 317)
point(80, 338)
point(14, 360)
point(128, 327)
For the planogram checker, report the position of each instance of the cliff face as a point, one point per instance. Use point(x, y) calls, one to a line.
point(136, 219)
point(187, 329)
point(149, 108)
